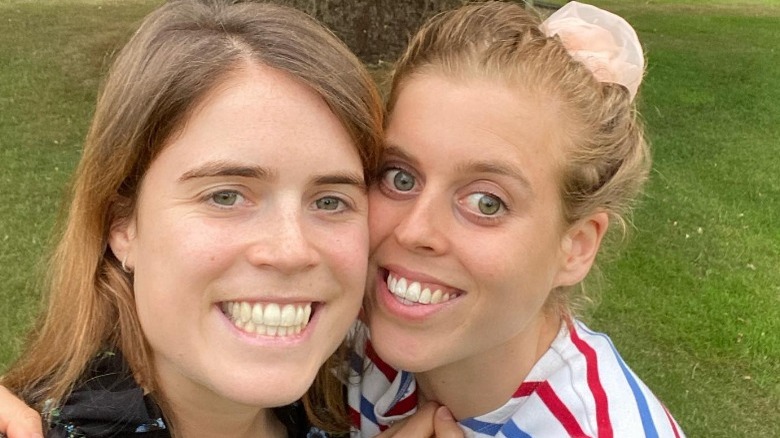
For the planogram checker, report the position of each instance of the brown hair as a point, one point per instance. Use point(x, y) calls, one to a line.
point(607, 158)
point(180, 52)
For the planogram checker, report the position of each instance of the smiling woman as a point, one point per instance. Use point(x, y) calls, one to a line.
point(214, 253)
point(243, 210)
point(511, 146)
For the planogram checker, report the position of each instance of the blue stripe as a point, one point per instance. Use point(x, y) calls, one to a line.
point(481, 426)
point(644, 410)
point(367, 410)
point(511, 430)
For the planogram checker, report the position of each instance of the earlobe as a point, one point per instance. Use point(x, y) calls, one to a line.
point(121, 238)
point(580, 246)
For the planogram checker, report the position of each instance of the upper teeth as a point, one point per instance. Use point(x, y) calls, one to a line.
point(270, 319)
point(413, 292)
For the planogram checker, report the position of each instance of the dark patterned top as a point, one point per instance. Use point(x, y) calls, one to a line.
point(109, 403)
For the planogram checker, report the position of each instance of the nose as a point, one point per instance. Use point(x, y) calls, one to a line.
point(284, 243)
point(422, 227)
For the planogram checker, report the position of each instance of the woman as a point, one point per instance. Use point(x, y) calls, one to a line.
point(214, 252)
point(511, 145)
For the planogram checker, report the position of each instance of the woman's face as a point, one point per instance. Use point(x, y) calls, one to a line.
point(466, 231)
point(249, 243)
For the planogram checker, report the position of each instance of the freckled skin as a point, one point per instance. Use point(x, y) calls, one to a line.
point(198, 241)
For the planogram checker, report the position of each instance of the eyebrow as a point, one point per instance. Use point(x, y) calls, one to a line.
point(397, 151)
point(341, 178)
point(504, 169)
point(226, 168)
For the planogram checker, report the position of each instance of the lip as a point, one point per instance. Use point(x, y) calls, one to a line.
point(278, 341)
point(415, 312)
point(416, 276)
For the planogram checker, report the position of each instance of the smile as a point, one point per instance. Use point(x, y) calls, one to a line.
point(413, 292)
point(268, 319)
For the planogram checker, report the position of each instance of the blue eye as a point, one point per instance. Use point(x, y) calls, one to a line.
point(485, 203)
point(225, 198)
point(399, 179)
point(331, 203)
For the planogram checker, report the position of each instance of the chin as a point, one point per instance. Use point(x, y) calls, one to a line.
point(268, 390)
point(401, 349)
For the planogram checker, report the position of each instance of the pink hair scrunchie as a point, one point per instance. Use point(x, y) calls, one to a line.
point(603, 41)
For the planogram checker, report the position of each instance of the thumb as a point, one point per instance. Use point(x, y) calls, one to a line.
point(444, 424)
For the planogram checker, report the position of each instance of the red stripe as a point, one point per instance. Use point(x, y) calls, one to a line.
point(354, 418)
point(526, 389)
point(671, 421)
point(594, 383)
point(559, 410)
point(404, 406)
point(386, 369)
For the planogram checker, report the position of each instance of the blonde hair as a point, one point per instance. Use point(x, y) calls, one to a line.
point(607, 158)
point(180, 52)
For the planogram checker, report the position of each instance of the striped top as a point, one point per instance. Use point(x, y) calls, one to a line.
point(579, 388)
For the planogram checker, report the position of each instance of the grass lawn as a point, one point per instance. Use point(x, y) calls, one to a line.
point(692, 301)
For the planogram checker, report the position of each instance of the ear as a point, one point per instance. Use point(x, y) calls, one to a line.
point(121, 238)
point(579, 246)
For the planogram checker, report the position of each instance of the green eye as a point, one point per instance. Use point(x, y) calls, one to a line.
point(225, 199)
point(486, 204)
point(489, 205)
point(401, 180)
point(328, 203)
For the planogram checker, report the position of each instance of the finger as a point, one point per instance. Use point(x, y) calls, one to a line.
point(17, 419)
point(445, 426)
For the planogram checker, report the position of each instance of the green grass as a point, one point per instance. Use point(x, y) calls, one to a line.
point(692, 301)
point(52, 54)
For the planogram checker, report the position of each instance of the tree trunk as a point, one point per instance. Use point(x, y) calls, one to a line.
point(376, 30)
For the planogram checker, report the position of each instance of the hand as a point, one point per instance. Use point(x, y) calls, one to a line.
point(17, 420)
point(431, 420)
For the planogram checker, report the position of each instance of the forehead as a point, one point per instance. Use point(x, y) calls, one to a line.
point(263, 115)
point(476, 119)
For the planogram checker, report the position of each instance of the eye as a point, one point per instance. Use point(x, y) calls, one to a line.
point(226, 198)
point(330, 203)
point(399, 180)
point(485, 203)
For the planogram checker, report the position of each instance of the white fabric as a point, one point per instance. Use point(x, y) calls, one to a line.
point(579, 387)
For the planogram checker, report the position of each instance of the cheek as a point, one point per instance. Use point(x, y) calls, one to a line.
point(518, 260)
point(347, 254)
point(195, 245)
point(177, 259)
point(381, 217)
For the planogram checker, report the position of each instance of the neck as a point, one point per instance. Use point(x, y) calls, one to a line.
point(484, 382)
point(194, 420)
point(197, 411)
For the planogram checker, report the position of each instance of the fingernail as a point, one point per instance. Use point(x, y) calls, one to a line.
point(445, 414)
